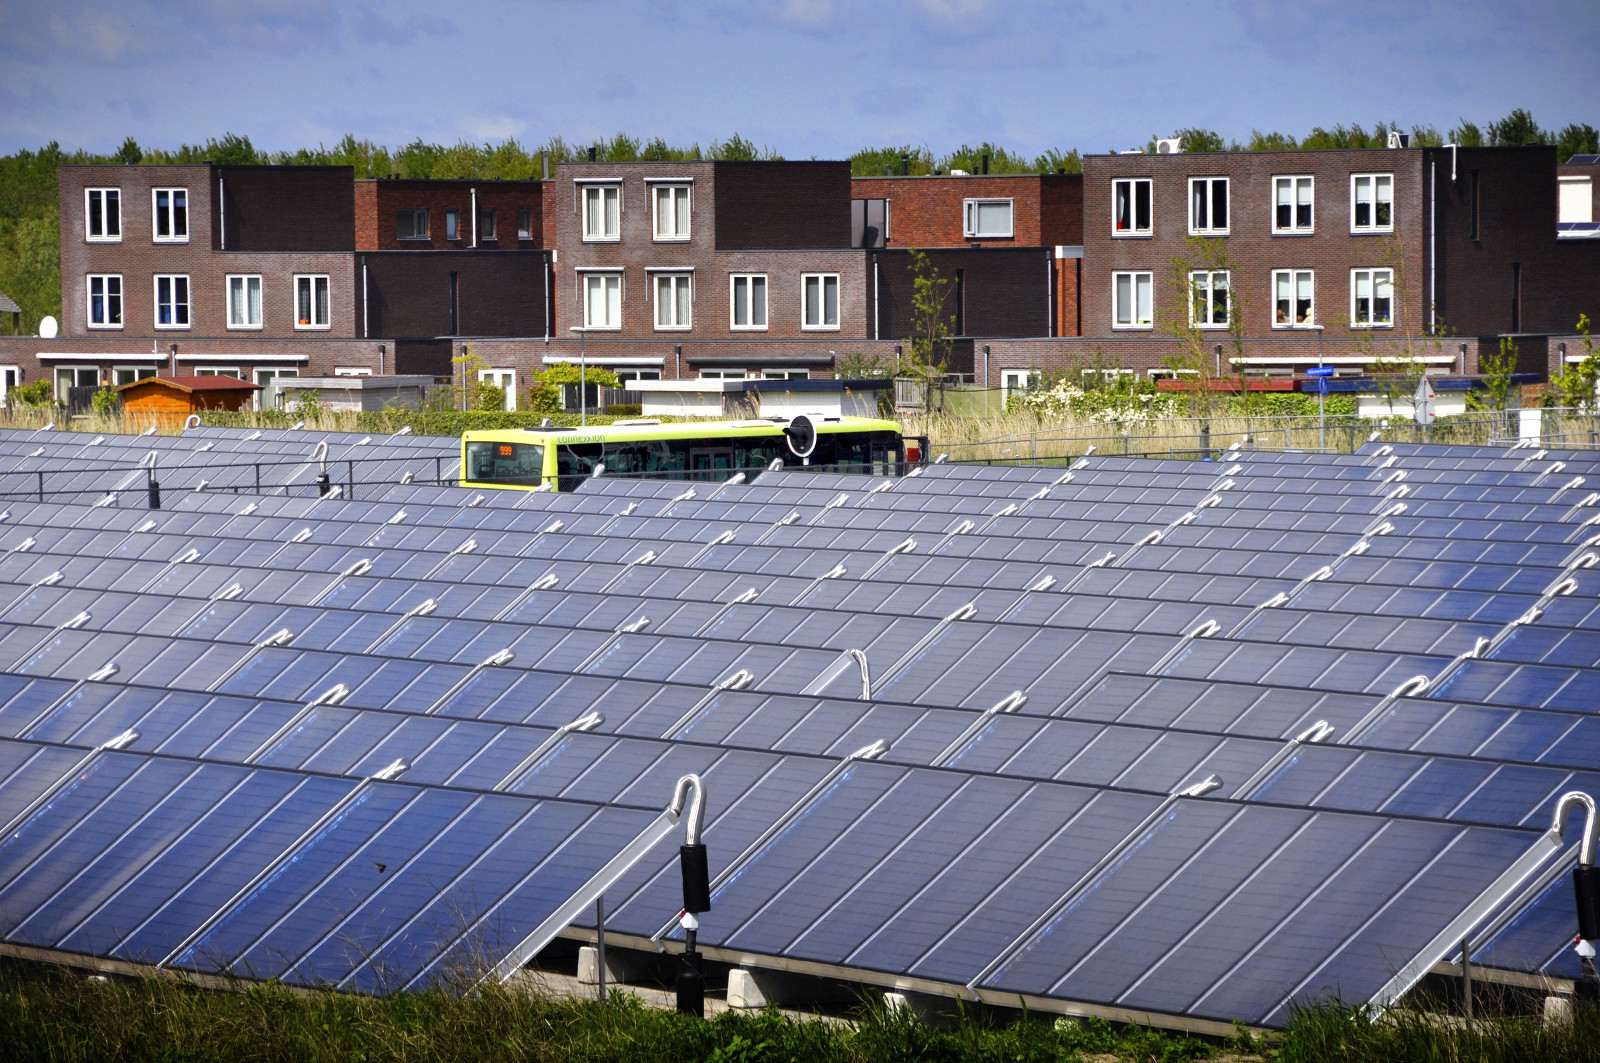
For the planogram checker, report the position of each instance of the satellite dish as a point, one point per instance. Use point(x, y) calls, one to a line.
point(801, 435)
point(48, 327)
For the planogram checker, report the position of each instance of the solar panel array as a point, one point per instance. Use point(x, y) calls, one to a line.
point(1181, 739)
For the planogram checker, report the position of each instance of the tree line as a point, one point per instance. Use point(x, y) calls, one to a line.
point(30, 226)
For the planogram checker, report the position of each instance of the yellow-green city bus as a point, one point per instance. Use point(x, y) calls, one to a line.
point(528, 458)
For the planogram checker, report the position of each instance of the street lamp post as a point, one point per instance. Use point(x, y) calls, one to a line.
point(583, 377)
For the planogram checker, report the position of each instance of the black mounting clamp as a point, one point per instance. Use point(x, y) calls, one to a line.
point(1586, 889)
point(691, 985)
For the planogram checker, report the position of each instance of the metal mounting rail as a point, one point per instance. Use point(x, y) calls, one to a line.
point(280, 637)
point(960, 529)
point(298, 537)
point(645, 558)
point(689, 788)
point(783, 523)
point(838, 500)
point(186, 947)
point(398, 518)
point(45, 581)
point(1043, 583)
point(904, 546)
point(720, 539)
point(494, 660)
point(332, 696)
point(836, 775)
point(839, 668)
point(963, 612)
point(587, 722)
point(737, 681)
point(71, 624)
point(1008, 704)
point(226, 594)
point(1413, 687)
point(1317, 732)
point(360, 568)
point(632, 627)
point(833, 573)
point(51, 792)
point(1204, 630)
point(1492, 898)
point(104, 672)
point(543, 583)
point(465, 548)
point(744, 597)
point(182, 559)
point(626, 511)
point(1106, 863)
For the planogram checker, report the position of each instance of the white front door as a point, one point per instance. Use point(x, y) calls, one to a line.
point(10, 376)
point(504, 379)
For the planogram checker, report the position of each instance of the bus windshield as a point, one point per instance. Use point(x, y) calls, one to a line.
point(506, 463)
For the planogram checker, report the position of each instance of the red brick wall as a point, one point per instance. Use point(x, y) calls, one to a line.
point(379, 200)
point(1332, 251)
point(930, 212)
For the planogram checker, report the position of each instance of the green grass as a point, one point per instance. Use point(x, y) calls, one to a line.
point(50, 1013)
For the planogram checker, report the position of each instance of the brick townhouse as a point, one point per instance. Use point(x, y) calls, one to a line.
point(682, 269)
point(1331, 254)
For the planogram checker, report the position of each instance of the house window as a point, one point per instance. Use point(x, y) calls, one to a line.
point(486, 225)
point(625, 376)
point(785, 374)
point(749, 301)
point(1131, 300)
point(506, 381)
point(1015, 381)
point(219, 370)
point(820, 299)
point(672, 212)
point(130, 374)
point(1371, 298)
point(171, 215)
point(244, 301)
point(673, 292)
point(602, 300)
point(105, 300)
point(1208, 206)
point(722, 374)
point(602, 206)
point(351, 370)
point(75, 376)
point(270, 397)
point(452, 225)
point(1208, 302)
point(103, 214)
point(1291, 204)
point(524, 225)
point(1292, 298)
point(1130, 207)
point(988, 218)
point(311, 310)
point(411, 225)
point(172, 301)
point(1371, 203)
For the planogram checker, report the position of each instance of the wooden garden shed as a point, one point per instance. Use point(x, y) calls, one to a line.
point(166, 401)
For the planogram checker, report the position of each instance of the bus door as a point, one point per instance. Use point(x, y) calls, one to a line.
point(711, 463)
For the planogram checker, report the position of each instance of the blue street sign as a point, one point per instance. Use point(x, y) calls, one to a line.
point(1320, 370)
point(1322, 385)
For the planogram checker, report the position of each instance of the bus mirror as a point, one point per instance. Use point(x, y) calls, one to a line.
point(801, 435)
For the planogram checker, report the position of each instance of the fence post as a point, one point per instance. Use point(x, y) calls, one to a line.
point(350, 480)
point(41, 485)
point(258, 477)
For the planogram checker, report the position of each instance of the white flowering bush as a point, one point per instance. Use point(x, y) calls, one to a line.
point(1135, 404)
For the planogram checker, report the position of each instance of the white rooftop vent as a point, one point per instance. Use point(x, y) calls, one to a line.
point(1398, 139)
point(958, 173)
point(1170, 146)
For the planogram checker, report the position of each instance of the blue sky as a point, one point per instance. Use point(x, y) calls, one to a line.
point(806, 77)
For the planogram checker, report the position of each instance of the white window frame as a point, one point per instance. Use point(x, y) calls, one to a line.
point(1013, 381)
point(135, 373)
point(599, 187)
point(106, 280)
point(1294, 228)
point(674, 190)
point(1205, 280)
point(427, 232)
point(1208, 189)
point(725, 374)
point(838, 302)
point(1150, 282)
point(261, 299)
point(672, 279)
point(218, 370)
point(1372, 274)
point(312, 278)
point(106, 194)
point(1375, 227)
point(733, 302)
point(351, 370)
point(187, 302)
point(1294, 276)
point(585, 279)
point(971, 210)
point(1133, 231)
point(173, 237)
point(506, 380)
point(74, 370)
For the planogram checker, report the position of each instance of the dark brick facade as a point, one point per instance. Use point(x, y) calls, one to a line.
point(994, 291)
point(409, 295)
point(930, 211)
point(283, 208)
point(782, 206)
point(377, 203)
